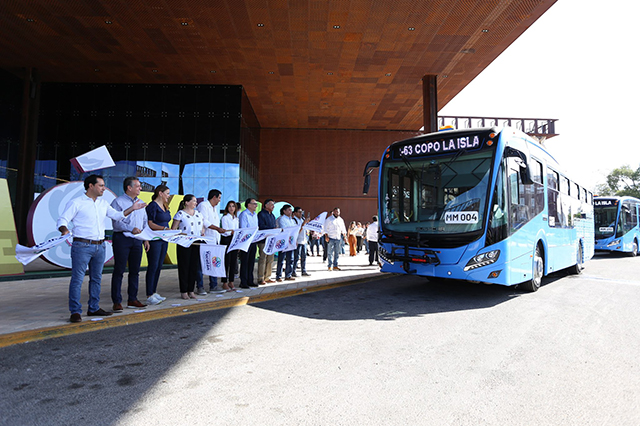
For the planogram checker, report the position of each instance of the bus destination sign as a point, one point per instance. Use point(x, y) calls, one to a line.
point(605, 203)
point(440, 146)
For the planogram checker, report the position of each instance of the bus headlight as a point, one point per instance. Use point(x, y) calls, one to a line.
point(613, 243)
point(482, 259)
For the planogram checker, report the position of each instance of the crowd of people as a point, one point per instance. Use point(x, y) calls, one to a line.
point(131, 215)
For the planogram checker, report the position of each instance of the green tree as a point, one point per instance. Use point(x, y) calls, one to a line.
point(621, 181)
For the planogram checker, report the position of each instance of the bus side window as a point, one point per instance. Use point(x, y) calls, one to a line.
point(553, 197)
point(523, 203)
point(627, 217)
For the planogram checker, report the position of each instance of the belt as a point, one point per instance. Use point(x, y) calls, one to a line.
point(84, 240)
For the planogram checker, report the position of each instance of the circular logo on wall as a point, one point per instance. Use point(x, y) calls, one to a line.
point(44, 213)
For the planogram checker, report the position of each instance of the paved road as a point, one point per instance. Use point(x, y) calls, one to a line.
point(401, 351)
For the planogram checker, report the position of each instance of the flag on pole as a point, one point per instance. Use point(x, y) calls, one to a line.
point(316, 224)
point(97, 159)
point(264, 233)
point(212, 260)
point(284, 241)
point(242, 239)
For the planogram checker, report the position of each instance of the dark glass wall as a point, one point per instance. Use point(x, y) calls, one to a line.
point(190, 137)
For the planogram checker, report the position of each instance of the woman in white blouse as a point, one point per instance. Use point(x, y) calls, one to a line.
point(229, 222)
point(190, 222)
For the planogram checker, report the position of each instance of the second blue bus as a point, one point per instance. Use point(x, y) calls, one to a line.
point(617, 224)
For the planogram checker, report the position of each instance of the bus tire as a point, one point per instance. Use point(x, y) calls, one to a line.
point(634, 249)
point(579, 266)
point(538, 271)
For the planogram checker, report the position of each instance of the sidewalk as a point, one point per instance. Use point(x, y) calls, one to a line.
point(38, 309)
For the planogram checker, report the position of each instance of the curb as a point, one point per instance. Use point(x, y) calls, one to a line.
point(110, 322)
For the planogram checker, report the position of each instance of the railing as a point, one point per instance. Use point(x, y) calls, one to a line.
point(539, 127)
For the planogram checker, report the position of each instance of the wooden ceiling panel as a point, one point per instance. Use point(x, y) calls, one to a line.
point(353, 64)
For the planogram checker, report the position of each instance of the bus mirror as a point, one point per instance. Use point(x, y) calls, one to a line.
point(367, 174)
point(367, 182)
point(525, 172)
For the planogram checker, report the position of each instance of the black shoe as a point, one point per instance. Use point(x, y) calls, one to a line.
point(253, 285)
point(99, 313)
point(75, 318)
point(304, 274)
point(244, 286)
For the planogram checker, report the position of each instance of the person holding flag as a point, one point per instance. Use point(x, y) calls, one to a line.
point(285, 221)
point(248, 218)
point(301, 246)
point(88, 213)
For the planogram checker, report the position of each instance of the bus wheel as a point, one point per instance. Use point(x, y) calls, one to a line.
point(538, 271)
point(579, 266)
point(634, 249)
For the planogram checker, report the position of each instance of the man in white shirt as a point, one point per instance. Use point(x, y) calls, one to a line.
point(211, 214)
point(248, 218)
point(88, 213)
point(301, 248)
point(372, 241)
point(335, 229)
point(285, 220)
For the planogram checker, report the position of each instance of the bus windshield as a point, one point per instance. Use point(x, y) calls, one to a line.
point(605, 219)
point(444, 194)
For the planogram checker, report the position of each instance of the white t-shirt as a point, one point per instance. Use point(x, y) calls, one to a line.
point(190, 225)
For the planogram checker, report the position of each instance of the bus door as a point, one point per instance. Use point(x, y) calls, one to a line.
point(401, 196)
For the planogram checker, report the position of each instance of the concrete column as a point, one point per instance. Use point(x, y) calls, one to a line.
point(27, 155)
point(430, 102)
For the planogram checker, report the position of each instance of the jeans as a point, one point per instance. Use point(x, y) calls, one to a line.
point(333, 251)
point(155, 257)
point(288, 269)
point(300, 253)
point(314, 243)
point(83, 255)
point(125, 251)
point(213, 281)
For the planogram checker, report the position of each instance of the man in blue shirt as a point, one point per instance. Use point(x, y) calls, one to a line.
point(248, 219)
point(127, 250)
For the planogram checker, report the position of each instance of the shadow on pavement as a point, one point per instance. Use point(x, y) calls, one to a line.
point(391, 298)
point(95, 378)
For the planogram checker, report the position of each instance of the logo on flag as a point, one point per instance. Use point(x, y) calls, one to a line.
point(316, 224)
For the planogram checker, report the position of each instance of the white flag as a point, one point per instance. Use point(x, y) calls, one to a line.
point(212, 260)
point(26, 255)
point(97, 159)
point(285, 241)
point(316, 224)
point(186, 240)
point(148, 234)
point(264, 233)
point(242, 239)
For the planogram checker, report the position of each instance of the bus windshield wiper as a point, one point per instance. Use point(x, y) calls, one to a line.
point(409, 166)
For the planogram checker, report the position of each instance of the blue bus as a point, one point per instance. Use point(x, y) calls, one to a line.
point(616, 224)
point(487, 205)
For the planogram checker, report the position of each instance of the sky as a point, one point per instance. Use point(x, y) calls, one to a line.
point(577, 63)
